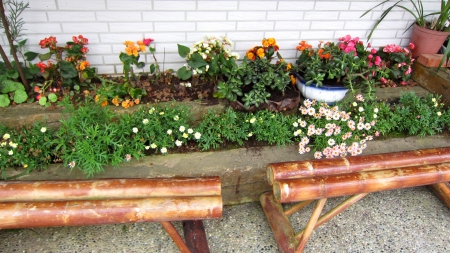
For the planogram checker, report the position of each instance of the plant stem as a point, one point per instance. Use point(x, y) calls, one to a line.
point(13, 49)
point(5, 58)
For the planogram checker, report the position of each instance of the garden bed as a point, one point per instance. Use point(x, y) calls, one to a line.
point(242, 170)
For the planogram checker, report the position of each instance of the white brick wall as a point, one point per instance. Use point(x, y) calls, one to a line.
point(108, 23)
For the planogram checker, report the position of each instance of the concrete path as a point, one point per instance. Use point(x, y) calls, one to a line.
point(408, 220)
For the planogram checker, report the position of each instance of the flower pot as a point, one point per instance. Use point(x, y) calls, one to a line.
point(326, 93)
point(426, 41)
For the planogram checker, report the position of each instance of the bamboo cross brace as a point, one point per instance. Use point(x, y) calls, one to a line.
point(333, 212)
point(176, 237)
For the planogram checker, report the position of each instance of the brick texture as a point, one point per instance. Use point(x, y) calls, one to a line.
point(108, 23)
point(431, 60)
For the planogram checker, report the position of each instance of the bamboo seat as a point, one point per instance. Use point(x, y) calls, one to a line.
point(310, 180)
point(27, 204)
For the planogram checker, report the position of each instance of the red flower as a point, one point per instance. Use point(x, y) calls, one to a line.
point(42, 66)
point(412, 46)
point(147, 41)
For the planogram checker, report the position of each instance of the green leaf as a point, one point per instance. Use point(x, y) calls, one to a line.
point(184, 73)
point(43, 101)
point(52, 97)
point(140, 64)
point(13, 74)
point(125, 58)
point(4, 100)
point(8, 86)
point(44, 57)
point(135, 93)
point(152, 68)
point(197, 61)
point(75, 49)
point(68, 70)
point(183, 51)
point(20, 96)
point(22, 42)
point(31, 55)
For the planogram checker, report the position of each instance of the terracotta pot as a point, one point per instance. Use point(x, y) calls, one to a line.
point(426, 41)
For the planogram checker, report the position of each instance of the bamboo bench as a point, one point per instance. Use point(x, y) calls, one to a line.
point(309, 180)
point(27, 204)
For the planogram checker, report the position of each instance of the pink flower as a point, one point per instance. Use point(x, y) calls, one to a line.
point(403, 83)
point(373, 51)
point(407, 72)
point(369, 45)
point(383, 80)
point(418, 116)
point(370, 56)
point(412, 46)
point(377, 60)
point(147, 41)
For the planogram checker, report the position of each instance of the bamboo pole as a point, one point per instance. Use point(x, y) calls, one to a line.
point(36, 191)
point(195, 236)
point(335, 211)
point(312, 168)
point(173, 233)
point(296, 207)
point(311, 224)
point(295, 190)
point(81, 213)
point(442, 190)
point(279, 223)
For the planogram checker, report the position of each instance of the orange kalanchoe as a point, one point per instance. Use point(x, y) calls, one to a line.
point(323, 55)
point(115, 101)
point(303, 45)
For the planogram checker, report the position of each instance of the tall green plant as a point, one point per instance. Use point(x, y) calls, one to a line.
point(12, 25)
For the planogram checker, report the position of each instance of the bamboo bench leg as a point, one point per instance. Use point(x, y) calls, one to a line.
point(442, 190)
point(282, 229)
point(195, 236)
point(279, 223)
point(176, 237)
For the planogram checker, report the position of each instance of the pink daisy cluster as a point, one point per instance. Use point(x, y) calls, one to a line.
point(334, 132)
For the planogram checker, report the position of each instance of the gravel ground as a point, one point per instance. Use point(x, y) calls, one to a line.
point(408, 220)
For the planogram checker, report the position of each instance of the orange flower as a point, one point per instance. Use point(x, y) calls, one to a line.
point(141, 46)
point(260, 52)
point(83, 65)
point(265, 43)
point(115, 101)
point(250, 55)
point(104, 103)
point(323, 55)
point(137, 101)
point(293, 80)
point(303, 45)
point(289, 66)
point(126, 103)
point(272, 41)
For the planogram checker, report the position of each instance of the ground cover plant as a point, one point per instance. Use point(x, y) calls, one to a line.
point(92, 137)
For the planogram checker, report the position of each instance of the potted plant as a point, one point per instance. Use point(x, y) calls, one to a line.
point(251, 85)
point(329, 71)
point(428, 35)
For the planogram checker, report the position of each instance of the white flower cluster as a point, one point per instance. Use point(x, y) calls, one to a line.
point(343, 132)
point(209, 48)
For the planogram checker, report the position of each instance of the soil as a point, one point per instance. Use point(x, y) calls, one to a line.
point(168, 87)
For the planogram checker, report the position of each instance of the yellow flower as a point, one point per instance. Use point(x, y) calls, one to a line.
point(265, 43)
point(141, 46)
point(250, 55)
point(272, 41)
point(260, 52)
